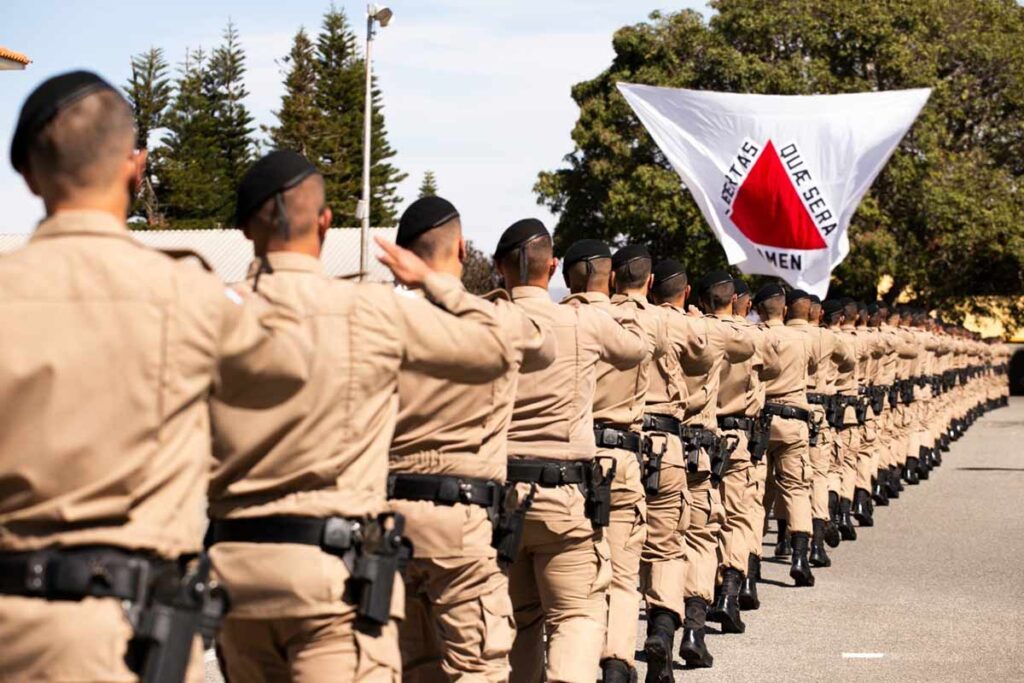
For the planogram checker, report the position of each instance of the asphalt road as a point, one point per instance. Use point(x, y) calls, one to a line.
point(934, 592)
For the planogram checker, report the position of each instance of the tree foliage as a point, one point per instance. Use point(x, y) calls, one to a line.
point(478, 276)
point(149, 93)
point(942, 220)
point(428, 188)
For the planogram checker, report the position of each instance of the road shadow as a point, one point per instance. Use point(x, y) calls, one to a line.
point(991, 469)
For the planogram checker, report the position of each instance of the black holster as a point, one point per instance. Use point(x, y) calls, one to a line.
point(720, 452)
point(878, 399)
point(813, 430)
point(894, 394)
point(376, 565)
point(652, 467)
point(835, 410)
point(760, 437)
point(166, 628)
point(508, 523)
point(860, 408)
point(907, 391)
point(599, 492)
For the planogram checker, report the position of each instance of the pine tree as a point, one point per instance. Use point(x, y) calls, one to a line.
point(298, 117)
point(428, 188)
point(149, 92)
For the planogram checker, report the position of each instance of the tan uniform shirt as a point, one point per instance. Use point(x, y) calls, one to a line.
point(108, 354)
point(834, 354)
point(667, 392)
point(728, 343)
point(796, 358)
point(742, 389)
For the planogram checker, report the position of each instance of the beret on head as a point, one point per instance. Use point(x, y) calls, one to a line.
point(795, 295)
point(769, 291)
point(846, 301)
point(742, 288)
point(832, 306)
point(715, 277)
point(629, 253)
point(276, 172)
point(424, 215)
point(518, 234)
point(871, 308)
point(45, 102)
point(585, 250)
point(815, 299)
point(666, 270)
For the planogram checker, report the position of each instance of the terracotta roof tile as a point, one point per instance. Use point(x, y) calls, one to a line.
point(13, 56)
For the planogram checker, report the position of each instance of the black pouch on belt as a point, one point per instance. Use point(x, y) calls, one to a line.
point(760, 437)
point(376, 564)
point(165, 629)
point(652, 467)
point(599, 492)
point(508, 524)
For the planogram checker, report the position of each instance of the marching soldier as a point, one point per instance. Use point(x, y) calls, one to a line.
point(559, 579)
point(663, 561)
point(448, 468)
point(109, 353)
point(299, 529)
point(839, 316)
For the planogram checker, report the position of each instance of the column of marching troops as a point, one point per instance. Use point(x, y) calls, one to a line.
point(417, 483)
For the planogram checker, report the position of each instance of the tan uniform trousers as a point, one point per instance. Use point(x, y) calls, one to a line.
point(847, 445)
point(789, 462)
point(867, 453)
point(739, 494)
point(663, 562)
point(760, 474)
point(706, 517)
point(559, 584)
point(820, 456)
point(63, 641)
point(625, 535)
point(901, 434)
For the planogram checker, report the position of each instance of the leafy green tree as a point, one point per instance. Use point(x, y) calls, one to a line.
point(149, 92)
point(478, 274)
point(942, 220)
point(298, 118)
point(428, 188)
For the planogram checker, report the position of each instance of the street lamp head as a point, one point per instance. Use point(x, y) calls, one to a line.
point(381, 14)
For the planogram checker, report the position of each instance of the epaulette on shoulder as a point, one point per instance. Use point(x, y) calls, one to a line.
point(186, 256)
point(578, 298)
point(350, 276)
point(497, 294)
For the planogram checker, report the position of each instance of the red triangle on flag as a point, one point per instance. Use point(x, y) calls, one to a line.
point(768, 210)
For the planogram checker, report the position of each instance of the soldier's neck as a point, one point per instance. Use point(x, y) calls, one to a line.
point(113, 203)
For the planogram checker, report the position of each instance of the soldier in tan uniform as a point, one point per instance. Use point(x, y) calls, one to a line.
point(559, 579)
point(867, 455)
point(109, 353)
point(618, 419)
point(786, 400)
point(448, 468)
point(299, 529)
point(851, 412)
point(663, 565)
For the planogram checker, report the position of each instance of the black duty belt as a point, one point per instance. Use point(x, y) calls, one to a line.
point(819, 399)
point(332, 534)
point(661, 423)
point(787, 412)
point(698, 436)
point(740, 422)
point(77, 573)
point(549, 473)
point(444, 490)
point(610, 437)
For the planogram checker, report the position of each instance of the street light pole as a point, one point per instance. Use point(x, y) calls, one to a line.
point(381, 15)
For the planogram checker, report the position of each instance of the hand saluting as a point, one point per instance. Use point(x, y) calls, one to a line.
point(408, 268)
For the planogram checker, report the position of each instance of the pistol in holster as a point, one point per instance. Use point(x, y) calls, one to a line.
point(723, 448)
point(760, 437)
point(907, 389)
point(835, 410)
point(508, 519)
point(379, 554)
point(691, 448)
point(877, 400)
point(860, 409)
point(813, 430)
point(599, 492)
point(652, 466)
point(167, 623)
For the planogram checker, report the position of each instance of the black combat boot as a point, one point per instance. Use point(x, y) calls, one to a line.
point(692, 649)
point(748, 590)
point(1004, 401)
point(782, 547)
point(895, 485)
point(937, 454)
point(846, 528)
point(943, 444)
point(924, 462)
point(911, 473)
point(819, 558)
point(617, 671)
point(726, 610)
point(661, 632)
point(832, 535)
point(800, 571)
point(880, 491)
point(862, 508)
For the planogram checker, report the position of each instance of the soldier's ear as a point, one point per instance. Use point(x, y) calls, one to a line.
point(686, 293)
point(30, 180)
point(462, 249)
point(611, 281)
point(552, 267)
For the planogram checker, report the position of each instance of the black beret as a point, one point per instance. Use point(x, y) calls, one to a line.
point(424, 215)
point(585, 250)
point(628, 254)
point(769, 291)
point(518, 234)
point(832, 306)
point(45, 102)
point(666, 270)
point(882, 306)
point(846, 301)
point(715, 277)
point(276, 172)
point(741, 286)
point(795, 295)
point(871, 308)
point(861, 306)
point(815, 299)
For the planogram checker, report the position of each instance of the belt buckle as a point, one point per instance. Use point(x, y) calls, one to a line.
point(552, 475)
point(610, 437)
point(340, 533)
point(35, 573)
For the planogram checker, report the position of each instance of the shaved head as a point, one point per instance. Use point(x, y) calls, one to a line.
point(438, 243)
point(84, 147)
point(579, 280)
point(539, 254)
point(799, 310)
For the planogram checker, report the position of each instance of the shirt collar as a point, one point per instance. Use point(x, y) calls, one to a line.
point(595, 297)
point(775, 322)
point(796, 322)
point(81, 223)
point(289, 261)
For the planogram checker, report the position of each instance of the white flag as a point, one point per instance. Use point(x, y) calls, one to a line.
point(778, 177)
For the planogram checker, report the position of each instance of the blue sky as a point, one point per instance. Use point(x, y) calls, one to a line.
point(477, 91)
